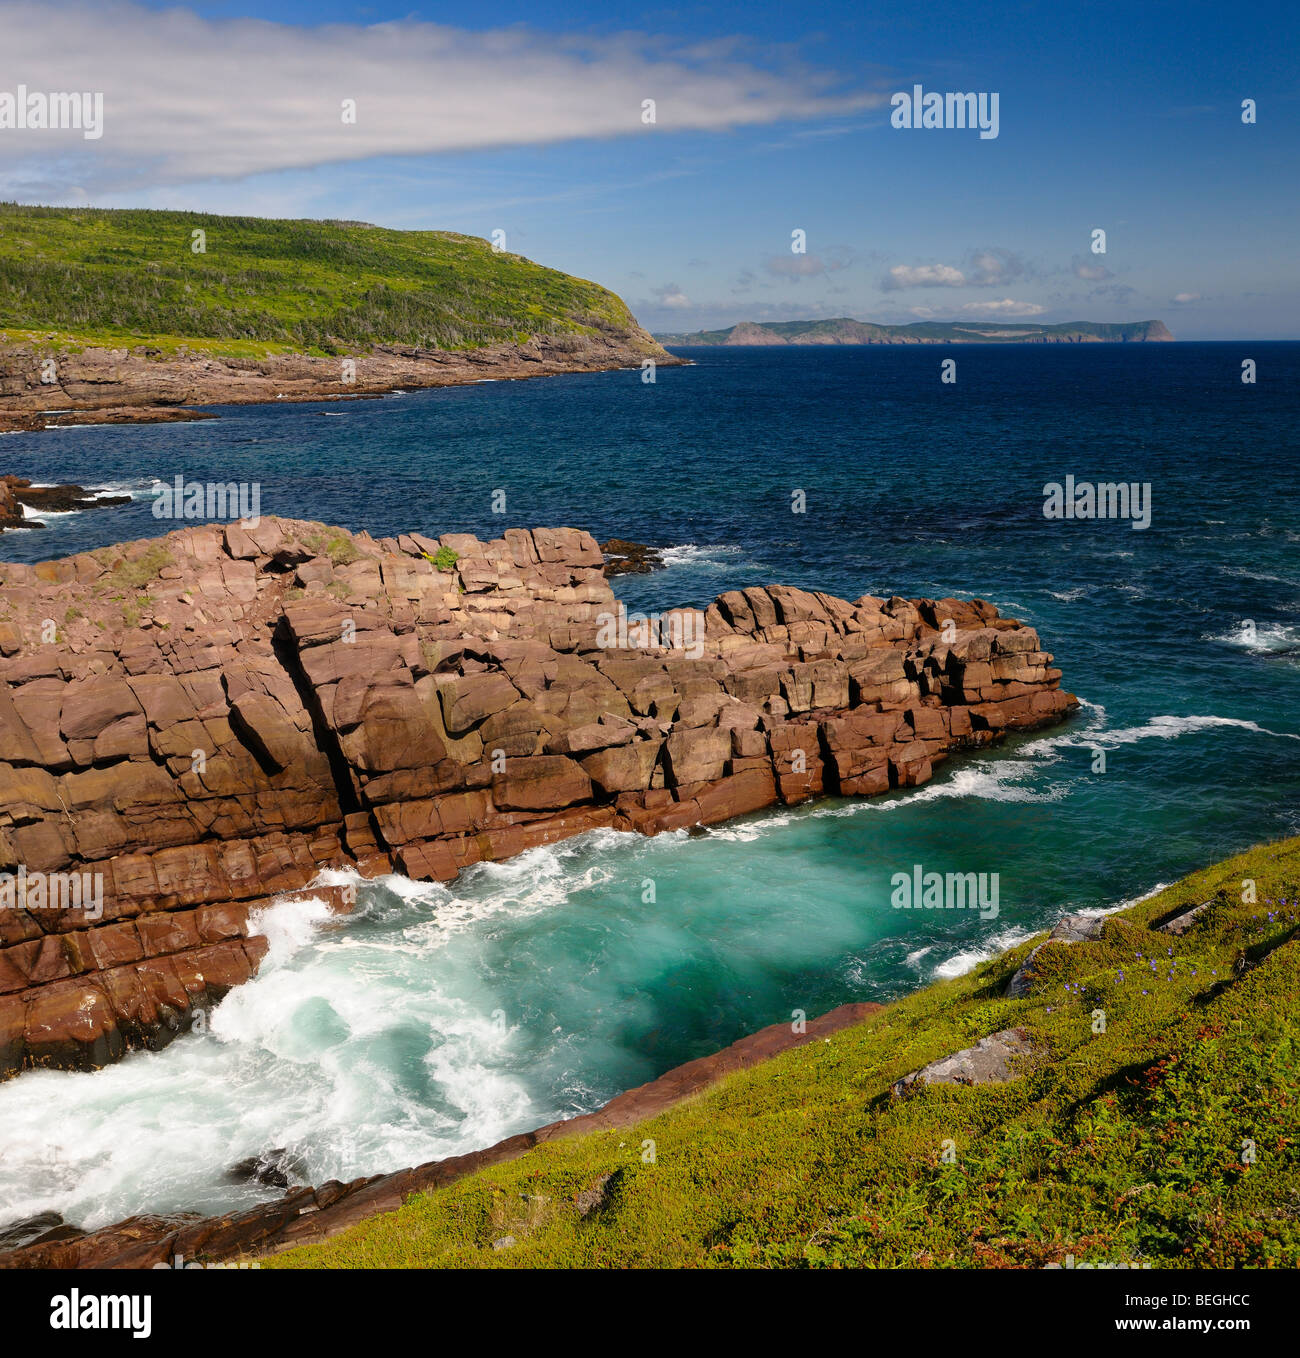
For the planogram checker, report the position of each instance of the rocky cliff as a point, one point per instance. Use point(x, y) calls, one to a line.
point(193, 725)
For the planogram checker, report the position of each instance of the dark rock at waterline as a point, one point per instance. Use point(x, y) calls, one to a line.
point(630, 558)
point(45, 1228)
point(276, 1168)
point(16, 491)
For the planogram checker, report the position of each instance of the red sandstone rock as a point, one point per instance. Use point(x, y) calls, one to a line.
point(272, 710)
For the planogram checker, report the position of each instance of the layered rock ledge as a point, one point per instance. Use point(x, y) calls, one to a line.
point(200, 723)
point(139, 384)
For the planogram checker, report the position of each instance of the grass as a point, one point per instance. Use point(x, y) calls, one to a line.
point(71, 278)
point(443, 559)
point(123, 573)
point(1168, 1137)
point(338, 547)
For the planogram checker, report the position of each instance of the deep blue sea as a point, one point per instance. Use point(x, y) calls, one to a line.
point(439, 1019)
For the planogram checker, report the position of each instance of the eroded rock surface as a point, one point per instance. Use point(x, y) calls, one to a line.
point(201, 722)
point(1070, 929)
point(992, 1060)
point(143, 384)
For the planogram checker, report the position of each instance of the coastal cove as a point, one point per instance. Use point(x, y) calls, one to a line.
point(368, 1044)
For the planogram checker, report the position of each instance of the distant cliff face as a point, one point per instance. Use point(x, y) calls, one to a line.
point(846, 331)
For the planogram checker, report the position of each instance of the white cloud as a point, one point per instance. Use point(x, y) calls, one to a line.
point(984, 269)
point(1006, 307)
point(923, 276)
point(670, 295)
point(1181, 298)
point(189, 98)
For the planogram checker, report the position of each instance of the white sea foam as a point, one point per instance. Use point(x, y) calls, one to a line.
point(1269, 638)
point(1155, 728)
point(970, 958)
point(719, 556)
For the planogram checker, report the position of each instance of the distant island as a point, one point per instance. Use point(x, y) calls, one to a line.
point(111, 315)
point(846, 331)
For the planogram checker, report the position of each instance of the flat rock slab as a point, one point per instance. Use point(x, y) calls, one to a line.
point(989, 1062)
point(1071, 929)
point(1180, 924)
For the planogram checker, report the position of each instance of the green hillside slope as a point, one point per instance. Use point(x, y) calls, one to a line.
point(1164, 1137)
point(114, 277)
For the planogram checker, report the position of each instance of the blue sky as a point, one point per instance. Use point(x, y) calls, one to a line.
point(769, 118)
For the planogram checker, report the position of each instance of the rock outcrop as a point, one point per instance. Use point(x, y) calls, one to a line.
point(139, 384)
point(1071, 929)
point(17, 492)
point(992, 1060)
point(194, 725)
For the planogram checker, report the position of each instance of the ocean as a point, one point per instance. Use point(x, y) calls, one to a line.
point(439, 1019)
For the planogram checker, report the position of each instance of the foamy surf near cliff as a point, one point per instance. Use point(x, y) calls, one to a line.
point(437, 1019)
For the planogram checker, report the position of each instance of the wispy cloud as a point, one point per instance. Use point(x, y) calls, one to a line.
point(189, 98)
point(922, 276)
point(670, 295)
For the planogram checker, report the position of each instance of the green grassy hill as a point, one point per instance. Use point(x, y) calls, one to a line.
point(114, 277)
point(1169, 1139)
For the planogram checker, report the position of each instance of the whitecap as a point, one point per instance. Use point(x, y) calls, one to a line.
point(970, 958)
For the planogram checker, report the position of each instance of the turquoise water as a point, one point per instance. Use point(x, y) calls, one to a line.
point(439, 1019)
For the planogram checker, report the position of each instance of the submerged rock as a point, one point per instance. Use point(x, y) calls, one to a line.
point(277, 1169)
point(630, 558)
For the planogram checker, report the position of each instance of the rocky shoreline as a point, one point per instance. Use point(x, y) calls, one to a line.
point(194, 725)
point(138, 384)
point(17, 493)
